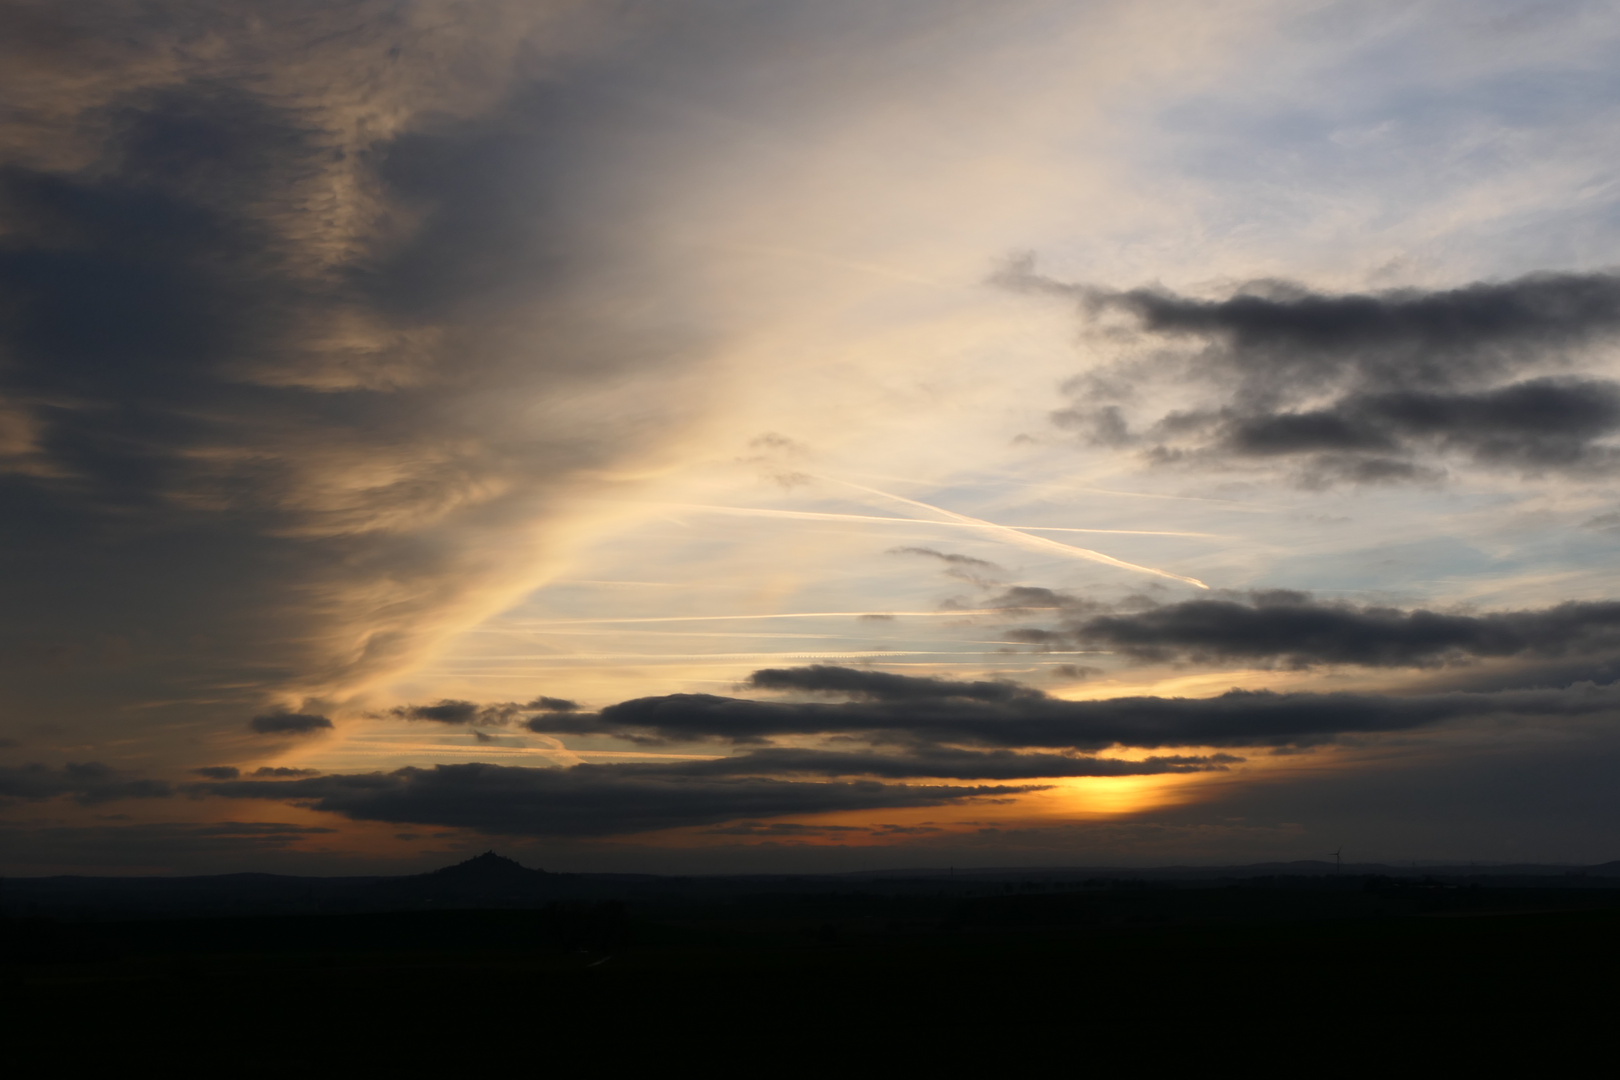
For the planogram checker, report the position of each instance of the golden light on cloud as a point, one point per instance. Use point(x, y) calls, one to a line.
point(1066, 801)
point(1105, 796)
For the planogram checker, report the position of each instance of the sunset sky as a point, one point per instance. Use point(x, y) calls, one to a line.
point(807, 435)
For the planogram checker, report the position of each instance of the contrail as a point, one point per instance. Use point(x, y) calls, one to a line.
point(786, 615)
point(1004, 478)
point(511, 631)
point(1034, 543)
point(794, 655)
point(750, 511)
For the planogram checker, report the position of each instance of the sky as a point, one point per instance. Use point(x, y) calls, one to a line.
point(758, 436)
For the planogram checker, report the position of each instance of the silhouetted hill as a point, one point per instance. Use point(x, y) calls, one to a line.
point(487, 869)
point(488, 879)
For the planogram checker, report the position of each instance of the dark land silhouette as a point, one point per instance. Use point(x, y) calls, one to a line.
point(494, 881)
point(273, 972)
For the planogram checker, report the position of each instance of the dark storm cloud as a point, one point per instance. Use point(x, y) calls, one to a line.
point(219, 772)
point(927, 715)
point(88, 783)
point(1294, 630)
point(1404, 374)
point(289, 723)
point(585, 800)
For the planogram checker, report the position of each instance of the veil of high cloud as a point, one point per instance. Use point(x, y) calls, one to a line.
point(294, 297)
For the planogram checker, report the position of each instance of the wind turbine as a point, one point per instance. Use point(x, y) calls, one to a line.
point(1338, 864)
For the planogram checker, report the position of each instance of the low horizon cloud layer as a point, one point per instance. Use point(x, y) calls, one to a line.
point(913, 727)
point(731, 434)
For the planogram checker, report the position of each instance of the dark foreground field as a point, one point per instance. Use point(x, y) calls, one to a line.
point(918, 974)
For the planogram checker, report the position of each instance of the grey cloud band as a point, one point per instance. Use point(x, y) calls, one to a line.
point(586, 800)
point(923, 716)
point(1361, 387)
point(1295, 630)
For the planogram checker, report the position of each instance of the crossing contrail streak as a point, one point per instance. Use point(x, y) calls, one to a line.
point(797, 654)
point(780, 615)
point(576, 632)
point(1033, 543)
point(821, 515)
